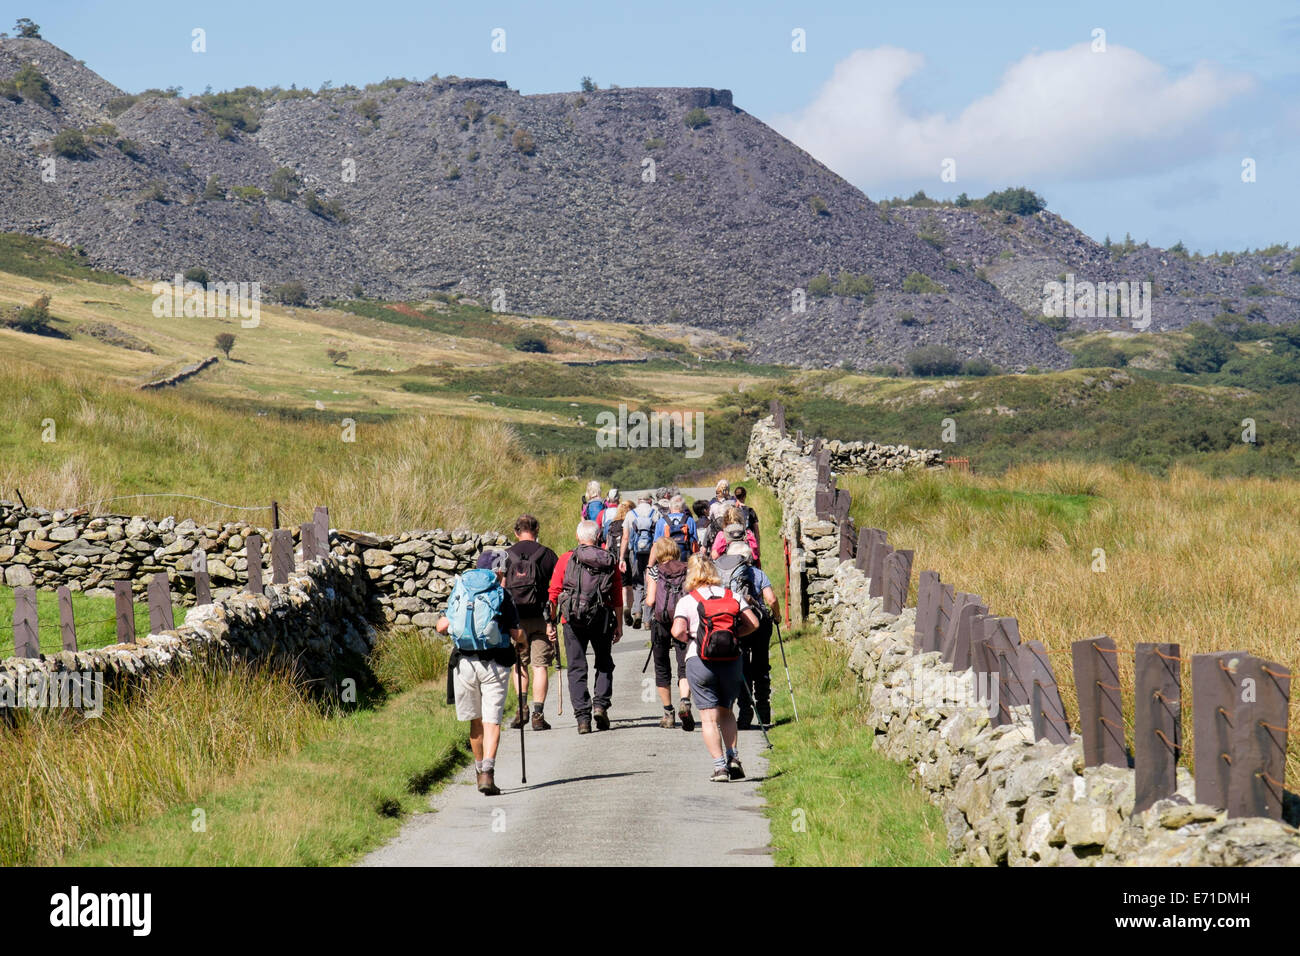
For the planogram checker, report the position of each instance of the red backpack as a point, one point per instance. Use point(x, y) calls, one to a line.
point(716, 639)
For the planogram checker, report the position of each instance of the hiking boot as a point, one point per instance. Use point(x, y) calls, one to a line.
point(668, 720)
point(734, 769)
point(720, 775)
point(602, 719)
point(636, 623)
point(687, 719)
point(487, 784)
point(627, 618)
point(517, 721)
point(584, 725)
point(539, 722)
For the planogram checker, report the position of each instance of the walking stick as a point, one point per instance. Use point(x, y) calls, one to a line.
point(523, 762)
point(559, 666)
point(781, 644)
point(754, 707)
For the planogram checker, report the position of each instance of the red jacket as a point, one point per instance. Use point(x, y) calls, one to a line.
point(557, 582)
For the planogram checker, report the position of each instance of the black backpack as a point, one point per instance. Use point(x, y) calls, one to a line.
point(668, 591)
point(614, 537)
point(586, 597)
point(735, 571)
point(524, 581)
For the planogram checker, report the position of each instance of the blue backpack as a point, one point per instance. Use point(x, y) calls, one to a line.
point(475, 601)
point(643, 531)
point(676, 525)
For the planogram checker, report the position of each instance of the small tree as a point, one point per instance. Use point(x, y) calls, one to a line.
point(214, 189)
point(523, 142)
point(290, 293)
point(528, 343)
point(818, 206)
point(27, 29)
point(225, 341)
point(589, 85)
point(696, 118)
point(197, 274)
point(284, 184)
point(34, 318)
point(933, 360)
point(72, 144)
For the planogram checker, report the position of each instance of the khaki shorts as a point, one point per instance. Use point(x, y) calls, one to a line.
point(481, 687)
point(537, 651)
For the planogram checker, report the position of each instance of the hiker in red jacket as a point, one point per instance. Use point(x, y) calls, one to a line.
point(587, 594)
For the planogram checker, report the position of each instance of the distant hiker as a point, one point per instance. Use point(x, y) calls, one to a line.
point(528, 569)
point(662, 497)
point(611, 529)
point(587, 590)
point(713, 620)
point(733, 530)
point(592, 502)
point(484, 627)
point(634, 556)
point(704, 530)
point(678, 525)
point(665, 584)
point(751, 516)
point(722, 499)
point(606, 516)
point(741, 575)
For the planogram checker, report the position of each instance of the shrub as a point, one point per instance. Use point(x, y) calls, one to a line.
point(527, 343)
point(368, 109)
point(473, 110)
point(933, 360)
point(579, 101)
point(247, 192)
point(27, 29)
point(1255, 290)
point(818, 206)
point(962, 201)
point(1206, 353)
point(120, 104)
point(1021, 201)
point(101, 131)
point(129, 148)
point(154, 192)
point(453, 172)
point(284, 184)
point(335, 356)
point(1295, 266)
point(523, 142)
point(290, 293)
point(918, 283)
point(325, 208)
point(819, 286)
point(214, 189)
point(855, 286)
point(589, 85)
point(978, 366)
point(696, 118)
point(931, 236)
point(72, 144)
point(909, 320)
point(1178, 249)
point(29, 83)
point(1099, 355)
point(34, 318)
point(197, 274)
point(654, 142)
point(225, 341)
point(1057, 323)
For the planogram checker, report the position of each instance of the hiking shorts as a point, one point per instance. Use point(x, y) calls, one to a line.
point(537, 651)
point(481, 687)
point(715, 684)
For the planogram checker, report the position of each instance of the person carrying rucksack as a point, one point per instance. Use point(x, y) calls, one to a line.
point(611, 527)
point(741, 575)
point(713, 620)
point(732, 531)
point(528, 569)
point(704, 530)
point(665, 581)
point(484, 626)
point(592, 502)
point(634, 556)
point(750, 515)
point(678, 525)
point(722, 499)
point(586, 591)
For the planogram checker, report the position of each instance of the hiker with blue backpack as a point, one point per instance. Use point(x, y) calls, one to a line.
point(484, 627)
point(678, 525)
point(665, 580)
point(712, 620)
point(586, 592)
point(634, 556)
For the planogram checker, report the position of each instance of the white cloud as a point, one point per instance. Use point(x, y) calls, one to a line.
point(1063, 114)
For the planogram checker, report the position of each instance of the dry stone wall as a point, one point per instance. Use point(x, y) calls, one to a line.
point(1006, 798)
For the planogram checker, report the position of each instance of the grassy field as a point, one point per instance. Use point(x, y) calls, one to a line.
point(95, 617)
point(1211, 564)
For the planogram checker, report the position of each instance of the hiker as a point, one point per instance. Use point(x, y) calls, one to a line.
point(528, 569)
point(611, 528)
point(742, 575)
point(678, 525)
point(751, 516)
point(721, 500)
point(733, 530)
point(587, 592)
point(713, 619)
point(484, 627)
point(592, 503)
point(665, 580)
point(704, 530)
point(634, 556)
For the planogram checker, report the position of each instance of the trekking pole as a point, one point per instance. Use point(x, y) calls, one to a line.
point(754, 707)
point(559, 666)
point(523, 763)
point(781, 644)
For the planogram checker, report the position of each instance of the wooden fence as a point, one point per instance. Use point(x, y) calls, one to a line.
point(1240, 702)
point(26, 626)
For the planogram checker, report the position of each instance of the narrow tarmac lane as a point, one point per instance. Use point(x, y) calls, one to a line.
point(634, 795)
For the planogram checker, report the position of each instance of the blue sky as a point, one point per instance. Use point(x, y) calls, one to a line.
point(1147, 137)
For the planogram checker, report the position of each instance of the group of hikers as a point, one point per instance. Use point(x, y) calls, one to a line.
point(695, 576)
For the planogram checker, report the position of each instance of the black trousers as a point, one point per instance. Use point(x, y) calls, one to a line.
point(662, 647)
point(576, 642)
point(758, 675)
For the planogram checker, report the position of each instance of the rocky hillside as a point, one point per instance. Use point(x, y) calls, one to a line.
point(605, 204)
point(1019, 254)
